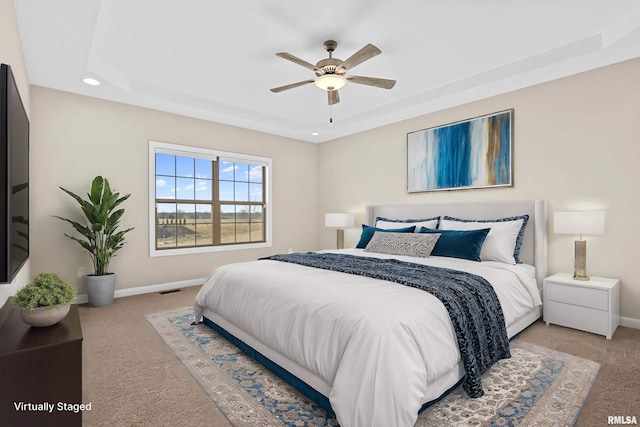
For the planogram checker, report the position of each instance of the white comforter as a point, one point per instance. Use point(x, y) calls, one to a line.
point(377, 345)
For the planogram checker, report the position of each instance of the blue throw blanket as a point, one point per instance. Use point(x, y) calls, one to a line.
point(472, 304)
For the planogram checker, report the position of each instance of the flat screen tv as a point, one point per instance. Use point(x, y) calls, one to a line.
point(14, 178)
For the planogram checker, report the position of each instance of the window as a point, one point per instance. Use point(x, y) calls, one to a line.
point(206, 200)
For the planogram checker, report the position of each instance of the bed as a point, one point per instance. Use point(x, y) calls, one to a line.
point(373, 351)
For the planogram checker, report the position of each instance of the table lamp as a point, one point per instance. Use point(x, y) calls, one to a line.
point(339, 221)
point(579, 222)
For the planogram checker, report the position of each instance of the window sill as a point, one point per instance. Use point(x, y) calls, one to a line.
point(206, 249)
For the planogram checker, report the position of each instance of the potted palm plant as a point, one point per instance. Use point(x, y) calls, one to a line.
point(99, 236)
point(45, 301)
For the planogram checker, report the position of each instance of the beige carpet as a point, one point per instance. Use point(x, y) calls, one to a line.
point(133, 379)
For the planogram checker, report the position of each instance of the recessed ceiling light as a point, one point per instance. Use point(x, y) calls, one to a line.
point(91, 81)
point(315, 133)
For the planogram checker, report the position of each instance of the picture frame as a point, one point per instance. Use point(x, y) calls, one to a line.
point(472, 153)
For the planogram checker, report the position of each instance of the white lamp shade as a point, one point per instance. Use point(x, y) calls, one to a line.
point(330, 81)
point(578, 222)
point(339, 220)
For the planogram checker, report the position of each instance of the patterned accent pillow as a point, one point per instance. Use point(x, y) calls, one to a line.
point(408, 244)
point(367, 233)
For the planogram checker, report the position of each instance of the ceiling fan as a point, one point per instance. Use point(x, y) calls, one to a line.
point(331, 73)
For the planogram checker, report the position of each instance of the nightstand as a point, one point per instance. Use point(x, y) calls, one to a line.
point(589, 305)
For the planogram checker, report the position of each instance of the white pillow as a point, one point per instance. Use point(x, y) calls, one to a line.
point(389, 224)
point(500, 242)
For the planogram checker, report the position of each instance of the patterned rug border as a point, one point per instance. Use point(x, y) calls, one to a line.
point(559, 403)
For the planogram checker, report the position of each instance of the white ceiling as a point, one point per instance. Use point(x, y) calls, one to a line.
point(215, 59)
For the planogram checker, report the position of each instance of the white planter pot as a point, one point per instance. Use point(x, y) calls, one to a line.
point(45, 316)
point(100, 289)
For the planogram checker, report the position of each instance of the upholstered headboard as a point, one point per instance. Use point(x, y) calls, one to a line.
point(534, 245)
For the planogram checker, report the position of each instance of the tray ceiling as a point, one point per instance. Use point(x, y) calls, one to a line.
point(215, 60)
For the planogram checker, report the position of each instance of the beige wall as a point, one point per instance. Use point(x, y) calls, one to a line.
point(75, 138)
point(11, 48)
point(576, 144)
point(11, 54)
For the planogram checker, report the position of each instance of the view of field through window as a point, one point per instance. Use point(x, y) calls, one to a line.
point(205, 202)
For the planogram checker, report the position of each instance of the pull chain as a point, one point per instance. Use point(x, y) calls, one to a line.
point(330, 113)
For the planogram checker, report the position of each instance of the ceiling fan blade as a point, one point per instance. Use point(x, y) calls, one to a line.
point(290, 86)
point(372, 81)
point(295, 59)
point(367, 52)
point(334, 98)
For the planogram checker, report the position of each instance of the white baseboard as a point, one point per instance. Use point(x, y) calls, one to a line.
point(630, 322)
point(149, 289)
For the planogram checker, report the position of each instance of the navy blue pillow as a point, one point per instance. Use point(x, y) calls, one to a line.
point(367, 233)
point(465, 244)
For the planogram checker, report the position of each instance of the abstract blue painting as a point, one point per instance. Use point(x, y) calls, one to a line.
point(473, 153)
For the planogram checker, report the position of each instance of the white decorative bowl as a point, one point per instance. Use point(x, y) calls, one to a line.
point(45, 316)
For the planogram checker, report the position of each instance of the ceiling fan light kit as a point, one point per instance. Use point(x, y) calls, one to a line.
point(330, 81)
point(331, 72)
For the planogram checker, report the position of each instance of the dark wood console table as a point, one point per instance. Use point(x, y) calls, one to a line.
point(38, 366)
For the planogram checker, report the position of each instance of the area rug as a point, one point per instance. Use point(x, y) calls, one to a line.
point(535, 387)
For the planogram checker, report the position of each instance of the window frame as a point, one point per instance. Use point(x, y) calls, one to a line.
point(212, 154)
